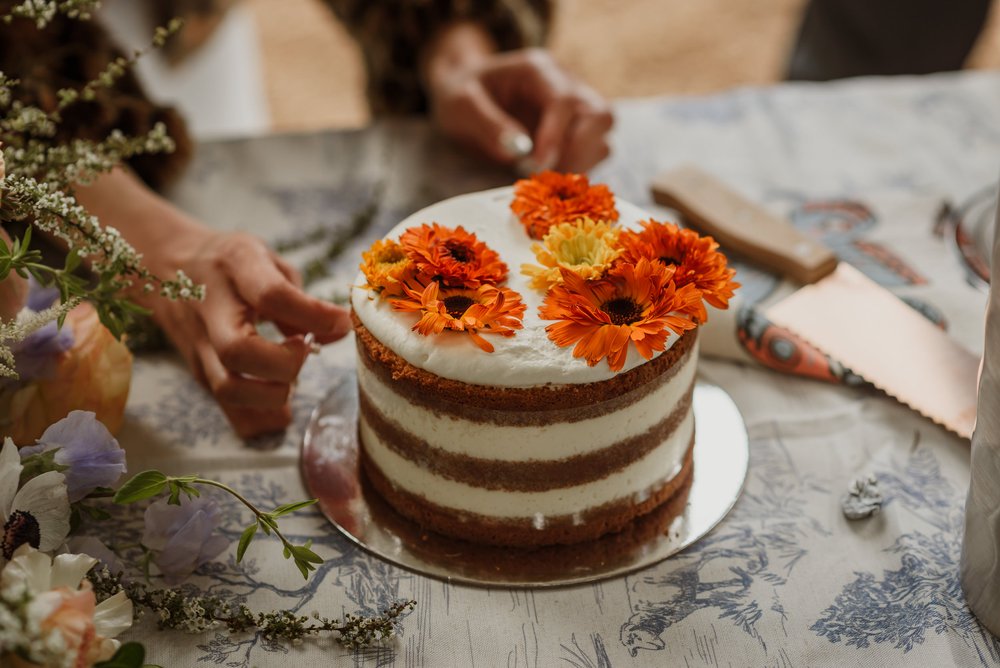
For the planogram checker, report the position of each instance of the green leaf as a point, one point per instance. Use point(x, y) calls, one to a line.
point(245, 539)
point(175, 495)
point(143, 486)
point(291, 507)
point(303, 553)
point(303, 568)
point(129, 655)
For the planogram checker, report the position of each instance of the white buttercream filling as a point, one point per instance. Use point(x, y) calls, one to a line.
point(633, 483)
point(529, 357)
point(526, 443)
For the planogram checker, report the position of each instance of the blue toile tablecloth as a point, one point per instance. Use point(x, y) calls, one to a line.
point(785, 580)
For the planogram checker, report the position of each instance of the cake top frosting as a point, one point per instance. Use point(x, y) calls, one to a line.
point(525, 359)
point(572, 289)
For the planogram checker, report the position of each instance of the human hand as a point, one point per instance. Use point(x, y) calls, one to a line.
point(519, 108)
point(251, 377)
point(245, 282)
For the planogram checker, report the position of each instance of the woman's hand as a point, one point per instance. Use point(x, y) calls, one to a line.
point(519, 108)
point(250, 376)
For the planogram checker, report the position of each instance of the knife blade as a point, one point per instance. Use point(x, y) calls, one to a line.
point(839, 310)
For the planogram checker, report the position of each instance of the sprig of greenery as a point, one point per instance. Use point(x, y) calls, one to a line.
point(38, 188)
point(150, 484)
point(197, 614)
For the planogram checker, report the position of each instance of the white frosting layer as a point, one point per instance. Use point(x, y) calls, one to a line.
point(529, 357)
point(522, 444)
point(631, 482)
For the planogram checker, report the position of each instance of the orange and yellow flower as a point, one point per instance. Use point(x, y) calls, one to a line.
point(695, 259)
point(484, 309)
point(387, 267)
point(551, 198)
point(452, 257)
point(586, 247)
point(640, 304)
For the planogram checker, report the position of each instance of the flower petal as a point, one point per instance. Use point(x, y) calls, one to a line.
point(69, 569)
point(10, 475)
point(113, 616)
point(45, 498)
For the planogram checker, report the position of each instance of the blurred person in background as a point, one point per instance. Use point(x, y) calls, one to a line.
point(475, 67)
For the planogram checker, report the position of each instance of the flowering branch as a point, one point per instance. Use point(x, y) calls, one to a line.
point(149, 484)
point(197, 614)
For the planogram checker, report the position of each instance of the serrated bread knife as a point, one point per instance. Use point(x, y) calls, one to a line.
point(840, 310)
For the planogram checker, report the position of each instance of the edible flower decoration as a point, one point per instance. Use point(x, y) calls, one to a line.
point(586, 247)
point(387, 267)
point(484, 309)
point(447, 276)
point(452, 257)
point(696, 259)
point(550, 198)
point(636, 305)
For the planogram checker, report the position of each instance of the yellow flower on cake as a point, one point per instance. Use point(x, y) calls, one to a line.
point(387, 267)
point(485, 309)
point(586, 247)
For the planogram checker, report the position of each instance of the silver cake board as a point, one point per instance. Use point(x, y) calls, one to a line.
point(331, 473)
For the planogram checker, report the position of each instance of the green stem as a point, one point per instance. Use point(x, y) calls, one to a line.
point(257, 513)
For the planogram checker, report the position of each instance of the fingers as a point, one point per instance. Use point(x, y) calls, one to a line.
point(234, 390)
point(268, 289)
point(585, 144)
point(472, 117)
point(230, 328)
point(569, 120)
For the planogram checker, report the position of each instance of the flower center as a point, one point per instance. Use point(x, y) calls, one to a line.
point(391, 256)
point(669, 260)
point(458, 251)
point(622, 311)
point(457, 305)
point(21, 528)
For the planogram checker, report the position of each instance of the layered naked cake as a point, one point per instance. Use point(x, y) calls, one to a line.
point(549, 403)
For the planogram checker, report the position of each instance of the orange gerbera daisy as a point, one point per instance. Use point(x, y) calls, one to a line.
point(639, 305)
point(452, 257)
point(696, 259)
point(550, 198)
point(386, 267)
point(485, 309)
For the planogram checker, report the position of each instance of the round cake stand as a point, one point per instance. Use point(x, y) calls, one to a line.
point(331, 474)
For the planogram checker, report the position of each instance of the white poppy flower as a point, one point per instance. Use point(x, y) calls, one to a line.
point(35, 515)
point(61, 605)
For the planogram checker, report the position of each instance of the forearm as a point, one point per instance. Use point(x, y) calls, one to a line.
point(153, 226)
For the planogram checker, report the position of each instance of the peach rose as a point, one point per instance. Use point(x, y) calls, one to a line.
point(93, 375)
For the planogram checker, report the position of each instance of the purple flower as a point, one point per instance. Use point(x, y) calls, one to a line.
point(40, 297)
point(36, 356)
point(183, 536)
point(85, 446)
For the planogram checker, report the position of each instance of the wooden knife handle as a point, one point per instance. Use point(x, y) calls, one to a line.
point(742, 226)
